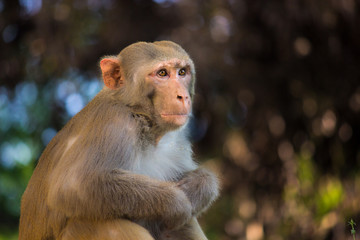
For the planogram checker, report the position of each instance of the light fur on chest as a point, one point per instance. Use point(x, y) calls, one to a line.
point(171, 157)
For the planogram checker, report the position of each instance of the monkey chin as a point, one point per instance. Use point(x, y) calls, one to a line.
point(175, 120)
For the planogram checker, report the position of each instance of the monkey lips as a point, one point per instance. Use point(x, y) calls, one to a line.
point(176, 119)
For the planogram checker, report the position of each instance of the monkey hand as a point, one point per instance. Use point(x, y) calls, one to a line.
point(179, 210)
point(201, 188)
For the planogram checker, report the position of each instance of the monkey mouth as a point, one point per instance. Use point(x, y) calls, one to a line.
point(174, 114)
point(177, 119)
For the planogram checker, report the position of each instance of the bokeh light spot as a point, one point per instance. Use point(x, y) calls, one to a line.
point(64, 89)
point(74, 103)
point(220, 28)
point(1, 5)
point(15, 153)
point(302, 46)
point(247, 209)
point(345, 132)
point(276, 125)
point(26, 93)
point(47, 135)
point(285, 151)
point(254, 231)
point(9, 33)
point(31, 7)
point(354, 101)
point(234, 227)
point(328, 123)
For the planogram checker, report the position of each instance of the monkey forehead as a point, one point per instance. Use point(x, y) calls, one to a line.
point(146, 51)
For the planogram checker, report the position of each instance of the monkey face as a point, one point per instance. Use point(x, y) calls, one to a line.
point(172, 102)
point(155, 80)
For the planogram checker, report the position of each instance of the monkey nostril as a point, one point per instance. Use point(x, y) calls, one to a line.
point(179, 97)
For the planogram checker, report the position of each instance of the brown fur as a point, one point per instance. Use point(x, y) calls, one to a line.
point(119, 169)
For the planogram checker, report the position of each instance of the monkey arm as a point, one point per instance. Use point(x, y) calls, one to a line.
point(118, 194)
point(201, 187)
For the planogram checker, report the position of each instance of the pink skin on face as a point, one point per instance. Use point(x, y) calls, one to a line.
point(172, 79)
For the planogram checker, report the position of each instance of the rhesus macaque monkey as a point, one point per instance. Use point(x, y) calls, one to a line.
point(122, 168)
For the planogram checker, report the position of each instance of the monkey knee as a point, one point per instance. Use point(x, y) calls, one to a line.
point(127, 230)
point(190, 231)
point(108, 230)
point(194, 230)
point(78, 230)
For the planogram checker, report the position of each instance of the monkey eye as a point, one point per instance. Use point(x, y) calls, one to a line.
point(182, 72)
point(162, 73)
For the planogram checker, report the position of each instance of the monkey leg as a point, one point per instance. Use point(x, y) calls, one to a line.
point(190, 231)
point(119, 229)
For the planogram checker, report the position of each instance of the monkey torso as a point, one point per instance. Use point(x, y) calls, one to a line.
point(91, 147)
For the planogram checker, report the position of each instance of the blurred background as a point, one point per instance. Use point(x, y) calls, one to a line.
point(276, 114)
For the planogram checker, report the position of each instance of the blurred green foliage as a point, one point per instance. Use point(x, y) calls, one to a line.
point(276, 112)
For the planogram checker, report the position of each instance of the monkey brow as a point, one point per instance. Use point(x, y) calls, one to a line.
point(180, 65)
point(177, 64)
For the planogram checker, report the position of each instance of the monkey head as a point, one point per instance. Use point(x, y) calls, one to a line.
point(154, 79)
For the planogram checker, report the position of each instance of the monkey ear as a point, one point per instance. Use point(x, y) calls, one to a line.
point(110, 68)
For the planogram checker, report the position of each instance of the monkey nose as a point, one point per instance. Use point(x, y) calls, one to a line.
point(182, 98)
